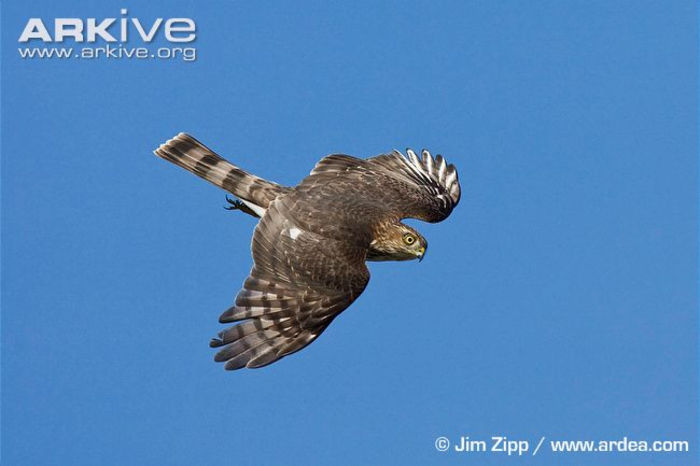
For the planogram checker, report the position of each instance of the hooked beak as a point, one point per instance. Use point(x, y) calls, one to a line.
point(421, 253)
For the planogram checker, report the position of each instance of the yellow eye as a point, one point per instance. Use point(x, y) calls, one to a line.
point(409, 239)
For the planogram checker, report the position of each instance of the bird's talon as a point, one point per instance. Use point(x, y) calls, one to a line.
point(235, 204)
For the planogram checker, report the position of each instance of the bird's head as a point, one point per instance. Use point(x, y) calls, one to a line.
point(397, 242)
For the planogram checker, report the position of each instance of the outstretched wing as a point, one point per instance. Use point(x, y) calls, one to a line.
point(423, 187)
point(300, 282)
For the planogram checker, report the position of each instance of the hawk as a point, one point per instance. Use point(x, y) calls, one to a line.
point(312, 241)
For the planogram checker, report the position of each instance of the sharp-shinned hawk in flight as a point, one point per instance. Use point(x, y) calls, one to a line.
point(312, 241)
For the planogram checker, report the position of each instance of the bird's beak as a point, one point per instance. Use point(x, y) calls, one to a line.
point(421, 253)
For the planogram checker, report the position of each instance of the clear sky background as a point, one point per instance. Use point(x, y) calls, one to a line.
point(558, 300)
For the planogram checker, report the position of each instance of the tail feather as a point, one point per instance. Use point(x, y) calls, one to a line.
point(185, 151)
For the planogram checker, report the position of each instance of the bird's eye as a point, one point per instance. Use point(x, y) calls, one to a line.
point(409, 239)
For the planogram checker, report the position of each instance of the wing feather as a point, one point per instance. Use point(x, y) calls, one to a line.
point(392, 184)
point(429, 186)
point(295, 289)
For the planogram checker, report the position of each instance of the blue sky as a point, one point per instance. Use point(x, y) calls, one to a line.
point(558, 300)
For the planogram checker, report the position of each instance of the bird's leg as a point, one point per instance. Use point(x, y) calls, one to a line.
point(235, 204)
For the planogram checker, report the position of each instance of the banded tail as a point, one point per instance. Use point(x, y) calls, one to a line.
point(185, 151)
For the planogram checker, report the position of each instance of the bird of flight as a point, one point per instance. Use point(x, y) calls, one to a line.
point(312, 240)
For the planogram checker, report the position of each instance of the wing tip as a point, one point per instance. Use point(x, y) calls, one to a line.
point(227, 316)
point(436, 169)
point(216, 343)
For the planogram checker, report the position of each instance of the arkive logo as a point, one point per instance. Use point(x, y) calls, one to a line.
point(175, 29)
point(114, 33)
